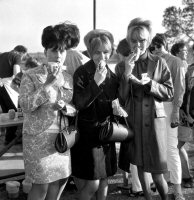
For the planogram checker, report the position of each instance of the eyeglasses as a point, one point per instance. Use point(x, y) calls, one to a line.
point(154, 46)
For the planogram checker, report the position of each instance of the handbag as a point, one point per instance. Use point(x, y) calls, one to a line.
point(68, 136)
point(186, 133)
point(115, 130)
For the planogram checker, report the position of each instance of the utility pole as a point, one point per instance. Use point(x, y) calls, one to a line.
point(94, 14)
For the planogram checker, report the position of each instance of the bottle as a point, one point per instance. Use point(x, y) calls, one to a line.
point(20, 113)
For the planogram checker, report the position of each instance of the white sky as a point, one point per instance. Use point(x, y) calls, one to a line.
point(22, 21)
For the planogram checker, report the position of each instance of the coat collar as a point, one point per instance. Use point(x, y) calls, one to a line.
point(151, 61)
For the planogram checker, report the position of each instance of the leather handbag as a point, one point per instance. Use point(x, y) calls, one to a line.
point(186, 132)
point(115, 131)
point(68, 136)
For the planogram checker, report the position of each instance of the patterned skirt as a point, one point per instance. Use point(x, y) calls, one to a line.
point(43, 164)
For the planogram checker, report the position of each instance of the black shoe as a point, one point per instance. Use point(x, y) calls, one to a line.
point(188, 183)
point(135, 194)
point(153, 187)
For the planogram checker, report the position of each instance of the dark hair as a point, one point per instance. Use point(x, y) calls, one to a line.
point(176, 48)
point(20, 49)
point(62, 36)
point(32, 62)
point(123, 47)
point(160, 39)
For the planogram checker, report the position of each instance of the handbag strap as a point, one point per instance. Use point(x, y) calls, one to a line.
point(65, 126)
point(60, 119)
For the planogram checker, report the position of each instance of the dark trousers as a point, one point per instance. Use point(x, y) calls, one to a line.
point(6, 104)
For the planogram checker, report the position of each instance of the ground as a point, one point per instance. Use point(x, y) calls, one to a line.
point(115, 193)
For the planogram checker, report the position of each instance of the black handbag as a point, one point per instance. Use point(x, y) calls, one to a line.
point(68, 136)
point(115, 130)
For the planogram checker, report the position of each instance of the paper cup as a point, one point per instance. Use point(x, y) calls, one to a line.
point(11, 113)
point(12, 188)
point(26, 186)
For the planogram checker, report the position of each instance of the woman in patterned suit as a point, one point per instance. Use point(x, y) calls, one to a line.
point(44, 91)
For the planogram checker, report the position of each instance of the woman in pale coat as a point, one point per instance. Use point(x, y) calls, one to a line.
point(145, 84)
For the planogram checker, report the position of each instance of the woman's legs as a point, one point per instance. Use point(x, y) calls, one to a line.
point(161, 185)
point(135, 182)
point(102, 191)
point(80, 183)
point(38, 192)
point(89, 188)
point(145, 183)
point(55, 189)
point(48, 191)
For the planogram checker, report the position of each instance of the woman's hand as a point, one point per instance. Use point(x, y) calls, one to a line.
point(145, 79)
point(59, 105)
point(130, 62)
point(53, 74)
point(100, 74)
point(117, 109)
point(69, 110)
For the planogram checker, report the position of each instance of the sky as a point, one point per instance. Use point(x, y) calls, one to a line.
point(22, 21)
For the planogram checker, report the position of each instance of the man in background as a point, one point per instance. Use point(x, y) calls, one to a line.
point(9, 67)
point(160, 47)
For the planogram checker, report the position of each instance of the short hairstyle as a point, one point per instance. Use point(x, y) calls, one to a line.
point(160, 39)
point(138, 24)
point(20, 49)
point(62, 36)
point(31, 62)
point(175, 49)
point(123, 47)
point(95, 38)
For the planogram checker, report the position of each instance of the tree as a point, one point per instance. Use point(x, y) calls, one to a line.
point(179, 22)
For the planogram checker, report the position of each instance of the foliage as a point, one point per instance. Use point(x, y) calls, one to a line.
point(179, 22)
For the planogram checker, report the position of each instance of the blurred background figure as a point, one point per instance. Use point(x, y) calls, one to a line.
point(29, 64)
point(172, 108)
point(74, 59)
point(9, 67)
point(179, 49)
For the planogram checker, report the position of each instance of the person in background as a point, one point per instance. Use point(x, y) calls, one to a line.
point(74, 59)
point(179, 49)
point(144, 86)
point(172, 108)
point(44, 92)
point(9, 67)
point(95, 87)
point(123, 51)
point(29, 64)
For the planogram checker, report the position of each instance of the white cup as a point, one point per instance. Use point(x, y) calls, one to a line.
point(12, 188)
point(11, 113)
point(26, 186)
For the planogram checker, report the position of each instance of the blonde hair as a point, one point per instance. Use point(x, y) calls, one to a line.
point(97, 37)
